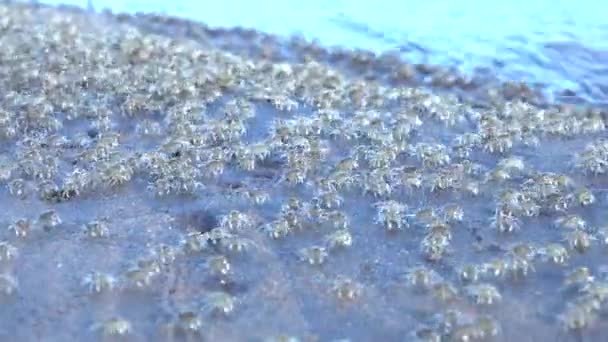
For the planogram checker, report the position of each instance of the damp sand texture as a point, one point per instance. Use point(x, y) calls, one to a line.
point(165, 181)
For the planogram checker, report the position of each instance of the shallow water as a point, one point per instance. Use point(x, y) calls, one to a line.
point(277, 290)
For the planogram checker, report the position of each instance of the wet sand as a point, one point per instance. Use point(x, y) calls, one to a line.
point(162, 180)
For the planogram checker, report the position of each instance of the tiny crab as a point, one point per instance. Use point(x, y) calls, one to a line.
point(216, 235)
point(471, 187)
point(453, 213)
point(470, 273)
point(529, 208)
point(578, 240)
point(597, 290)
point(570, 222)
point(97, 282)
point(236, 220)
point(165, 254)
point(219, 303)
point(484, 294)
point(434, 246)
point(219, 265)
point(579, 277)
point(411, 179)
point(602, 235)
point(49, 219)
point(258, 197)
point(21, 227)
point(512, 164)
point(338, 219)
point(555, 253)
point(465, 333)
point(188, 322)
point(519, 267)
point(496, 268)
point(498, 175)
point(8, 284)
point(195, 242)
point(237, 244)
point(139, 277)
point(315, 255)
point(97, 229)
point(214, 168)
point(7, 251)
point(439, 229)
point(426, 215)
point(422, 278)
point(487, 326)
point(329, 200)
point(295, 177)
point(524, 251)
point(377, 186)
point(114, 327)
point(444, 292)
point(444, 180)
point(277, 229)
point(447, 321)
point(17, 188)
point(347, 164)
point(504, 221)
point(346, 289)
point(152, 264)
point(246, 160)
point(584, 197)
point(391, 214)
point(425, 334)
point(339, 239)
point(481, 329)
point(117, 174)
point(576, 318)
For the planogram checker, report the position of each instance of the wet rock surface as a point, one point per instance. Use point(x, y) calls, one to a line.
point(166, 181)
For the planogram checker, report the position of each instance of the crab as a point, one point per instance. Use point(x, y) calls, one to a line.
point(577, 318)
point(188, 322)
point(444, 292)
point(339, 239)
point(219, 303)
point(504, 221)
point(21, 227)
point(391, 214)
point(422, 278)
point(453, 213)
point(7, 251)
point(195, 242)
point(236, 220)
point(484, 294)
point(470, 273)
point(346, 289)
point(314, 255)
point(116, 174)
point(578, 277)
point(114, 327)
point(97, 229)
point(219, 265)
point(8, 284)
point(578, 240)
point(98, 282)
point(49, 219)
point(555, 253)
point(277, 229)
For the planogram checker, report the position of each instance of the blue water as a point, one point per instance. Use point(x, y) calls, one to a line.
point(560, 44)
